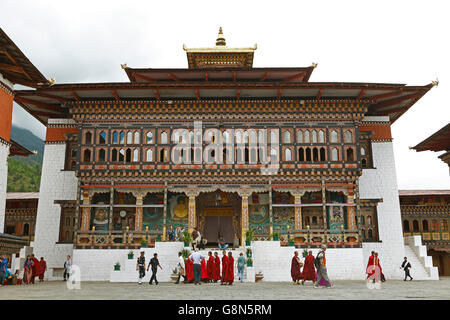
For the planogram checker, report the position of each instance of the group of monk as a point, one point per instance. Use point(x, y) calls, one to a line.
point(373, 270)
point(33, 268)
point(309, 271)
point(211, 271)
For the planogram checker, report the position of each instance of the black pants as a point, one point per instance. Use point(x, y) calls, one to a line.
point(66, 274)
point(197, 273)
point(141, 271)
point(153, 276)
point(407, 274)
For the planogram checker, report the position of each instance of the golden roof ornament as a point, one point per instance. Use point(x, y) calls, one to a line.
point(220, 39)
point(435, 83)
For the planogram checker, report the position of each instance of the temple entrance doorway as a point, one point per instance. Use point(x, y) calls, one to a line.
point(219, 221)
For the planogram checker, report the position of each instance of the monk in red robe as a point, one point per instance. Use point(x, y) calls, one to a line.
point(35, 268)
point(224, 267)
point(309, 272)
point(216, 270)
point(204, 273)
point(372, 272)
point(296, 264)
point(210, 267)
point(369, 263)
point(189, 270)
point(229, 273)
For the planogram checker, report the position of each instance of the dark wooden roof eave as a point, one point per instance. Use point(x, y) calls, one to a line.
point(17, 149)
point(438, 141)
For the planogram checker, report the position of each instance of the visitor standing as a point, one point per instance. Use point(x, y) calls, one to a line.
point(27, 270)
point(3, 269)
point(196, 238)
point(140, 266)
point(181, 268)
point(154, 263)
point(42, 269)
point(321, 265)
point(224, 267)
point(171, 233)
point(35, 267)
point(406, 266)
point(241, 266)
point(295, 268)
point(229, 275)
point(309, 272)
point(67, 267)
point(196, 258)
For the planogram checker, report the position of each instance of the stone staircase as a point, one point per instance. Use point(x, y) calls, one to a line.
point(421, 265)
point(168, 259)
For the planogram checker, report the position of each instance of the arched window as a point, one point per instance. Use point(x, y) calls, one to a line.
point(369, 220)
point(301, 155)
point(364, 163)
point(149, 155)
point(114, 155)
point(350, 156)
point(253, 138)
point(288, 155)
point(321, 136)
point(164, 137)
point(115, 137)
point(261, 136)
point(415, 225)
point(149, 137)
point(88, 138)
point(333, 136)
point(314, 136)
point(306, 137)
point(122, 137)
point(163, 155)
point(273, 155)
point(363, 151)
point(198, 137)
point(334, 154)
point(122, 155)
point(102, 155)
point(425, 225)
point(314, 220)
point(299, 136)
point(128, 155)
point(308, 154)
point(245, 135)
point(191, 136)
point(287, 137)
point(135, 155)
point(238, 136)
point(348, 137)
point(405, 226)
point(226, 137)
point(246, 155)
point(315, 155)
point(102, 138)
point(26, 229)
point(273, 136)
point(370, 234)
point(254, 156)
point(87, 155)
point(136, 137)
point(322, 154)
point(362, 220)
point(129, 137)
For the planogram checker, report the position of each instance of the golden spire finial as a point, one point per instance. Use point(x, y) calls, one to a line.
point(220, 39)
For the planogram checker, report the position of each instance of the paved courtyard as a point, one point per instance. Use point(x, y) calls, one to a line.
point(393, 289)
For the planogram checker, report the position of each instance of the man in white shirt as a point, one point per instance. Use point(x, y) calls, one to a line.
point(181, 268)
point(197, 258)
point(197, 238)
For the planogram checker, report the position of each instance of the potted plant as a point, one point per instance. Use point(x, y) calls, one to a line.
point(276, 236)
point(259, 276)
point(117, 266)
point(130, 255)
point(174, 275)
point(249, 253)
point(143, 243)
point(305, 253)
point(187, 238)
point(249, 236)
point(249, 262)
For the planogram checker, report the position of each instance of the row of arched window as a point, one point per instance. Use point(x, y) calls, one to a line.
point(425, 225)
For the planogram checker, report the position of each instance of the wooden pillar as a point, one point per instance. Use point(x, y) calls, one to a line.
point(358, 209)
point(164, 235)
point(86, 212)
point(270, 208)
point(244, 217)
point(191, 213)
point(324, 211)
point(111, 204)
point(350, 211)
point(298, 220)
point(77, 212)
point(138, 221)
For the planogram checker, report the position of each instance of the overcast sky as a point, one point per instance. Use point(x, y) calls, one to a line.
point(354, 41)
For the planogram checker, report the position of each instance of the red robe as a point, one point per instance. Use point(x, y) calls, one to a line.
point(42, 266)
point(373, 262)
point(189, 270)
point(309, 272)
point(216, 270)
point(35, 269)
point(224, 267)
point(204, 273)
point(295, 269)
point(229, 274)
point(210, 268)
point(369, 263)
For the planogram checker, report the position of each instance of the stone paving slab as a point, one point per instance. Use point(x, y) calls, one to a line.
point(392, 289)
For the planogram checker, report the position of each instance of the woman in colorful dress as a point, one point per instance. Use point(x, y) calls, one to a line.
point(28, 270)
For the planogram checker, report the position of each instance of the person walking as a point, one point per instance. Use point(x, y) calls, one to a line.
point(67, 267)
point(181, 268)
point(216, 271)
point(196, 258)
point(154, 263)
point(27, 270)
point(35, 268)
point(229, 273)
point(321, 265)
point(309, 272)
point(406, 266)
point(210, 267)
point(224, 267)
point(296, 264)
point(241, 266)
point(140, 266)
point(42, 269)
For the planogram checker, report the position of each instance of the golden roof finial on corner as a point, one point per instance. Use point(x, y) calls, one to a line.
point(52, 81)
point(435, 83)
point(124, 66)
point(220, 39)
